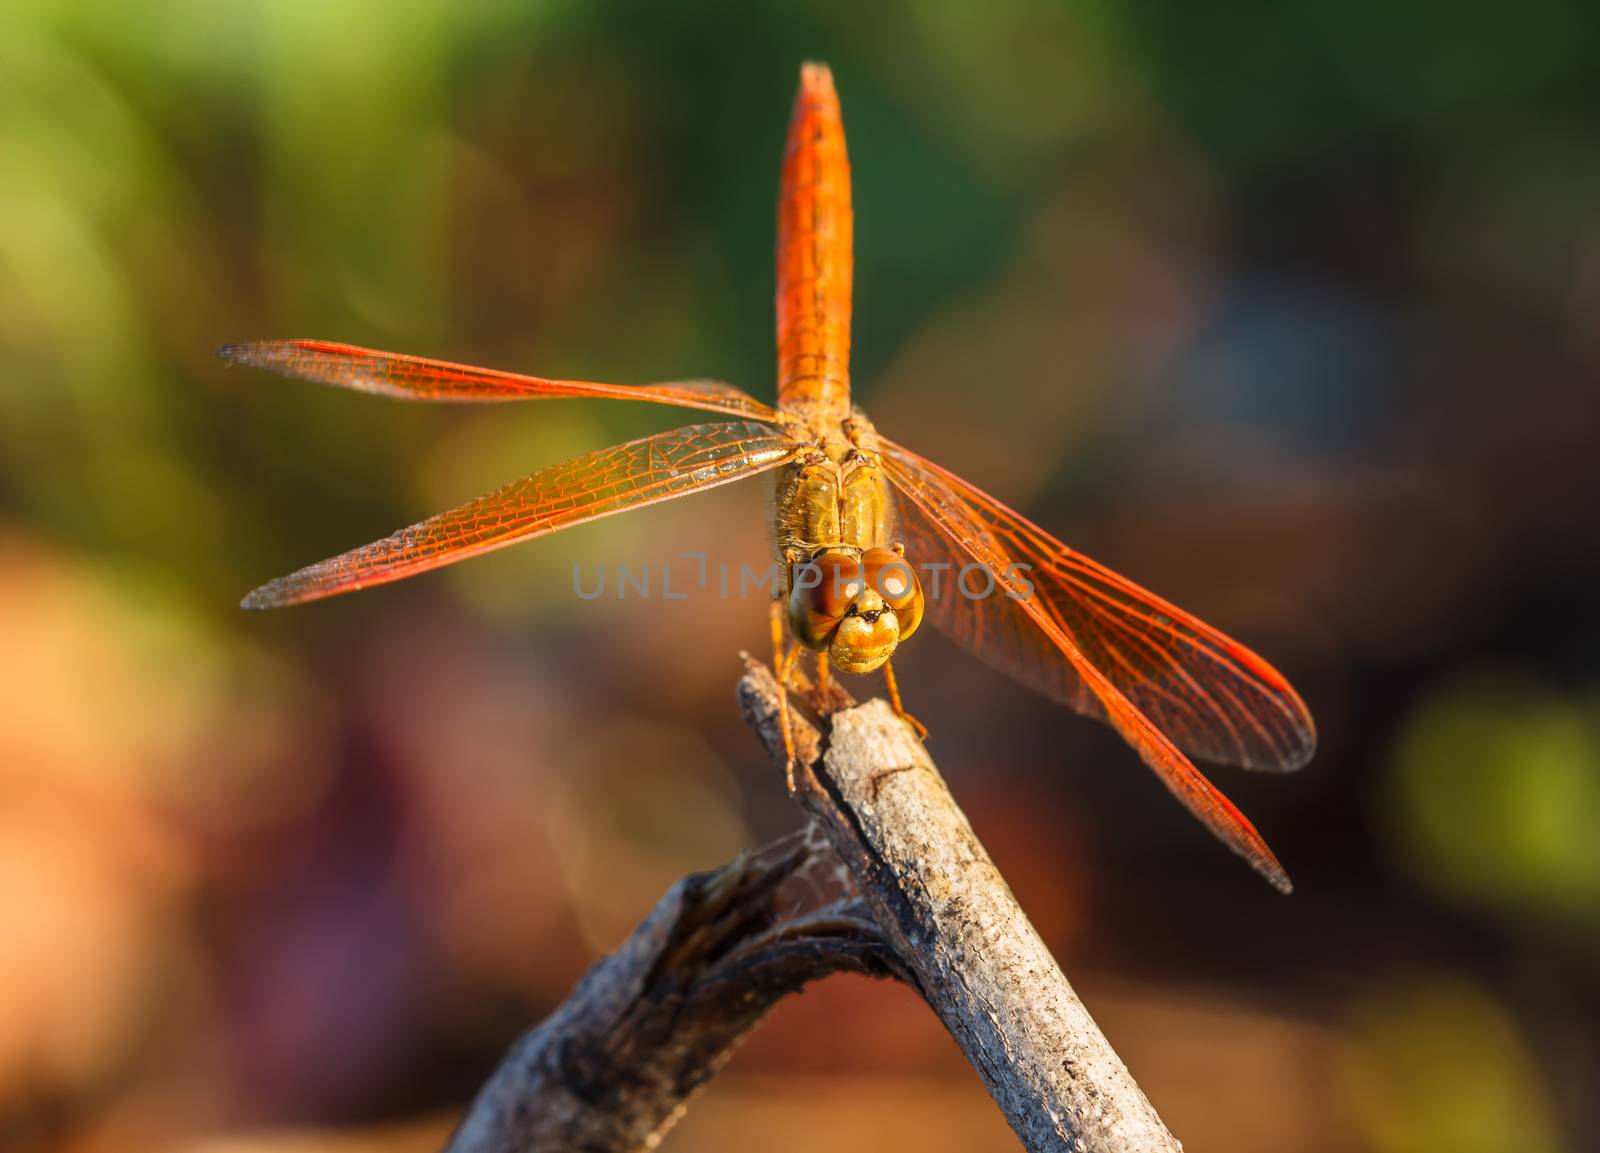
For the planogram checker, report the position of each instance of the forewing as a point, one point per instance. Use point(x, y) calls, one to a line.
point(1212, 696)
point(418, 378)
point(994, 628)
point(942, 508)
point(613, 480)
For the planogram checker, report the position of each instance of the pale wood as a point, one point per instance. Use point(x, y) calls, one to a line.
point(952, 919)
point(648, 1026)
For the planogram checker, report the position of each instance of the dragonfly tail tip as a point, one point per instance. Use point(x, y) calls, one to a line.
point(815, 76)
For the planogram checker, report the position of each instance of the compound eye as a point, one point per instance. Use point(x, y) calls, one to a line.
point(820, 593)
point(892, 576)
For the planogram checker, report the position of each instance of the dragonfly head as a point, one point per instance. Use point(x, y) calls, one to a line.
point(855, 605)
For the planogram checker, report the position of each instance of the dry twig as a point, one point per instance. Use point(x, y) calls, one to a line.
point(652, 1023)
point(649, 1025)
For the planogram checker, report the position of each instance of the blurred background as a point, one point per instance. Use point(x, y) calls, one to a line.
point(1293, 317)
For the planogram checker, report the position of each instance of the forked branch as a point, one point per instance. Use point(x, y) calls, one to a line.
point(649, 1025)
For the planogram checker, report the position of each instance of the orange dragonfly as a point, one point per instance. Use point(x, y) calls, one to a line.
point(857, 516)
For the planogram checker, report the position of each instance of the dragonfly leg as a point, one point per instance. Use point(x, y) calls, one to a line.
point(830, 695)
point(782, 665)
point(894, 701)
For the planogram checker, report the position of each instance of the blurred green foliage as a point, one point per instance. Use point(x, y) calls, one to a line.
point(1494, 800)
point(1437, 1066)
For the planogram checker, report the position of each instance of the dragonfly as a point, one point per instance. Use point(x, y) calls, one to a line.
point(858, 517)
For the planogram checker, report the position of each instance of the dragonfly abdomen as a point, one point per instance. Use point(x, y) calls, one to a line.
point(815, 255)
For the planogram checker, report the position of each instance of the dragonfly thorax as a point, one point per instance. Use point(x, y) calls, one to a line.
point(834, 492)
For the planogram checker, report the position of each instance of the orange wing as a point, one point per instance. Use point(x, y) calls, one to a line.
point(1102, 645)
point(815, 255)
point(613, 480)
point(417, 378)
point(1215, 698)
